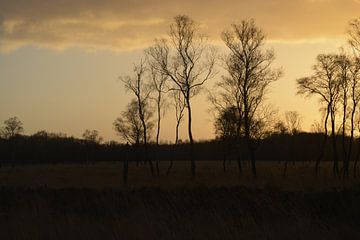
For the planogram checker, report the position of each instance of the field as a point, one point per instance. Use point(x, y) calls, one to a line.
point(300, 176)
point(90, 202)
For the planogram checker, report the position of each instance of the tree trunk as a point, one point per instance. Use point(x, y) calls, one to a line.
point(142, 118)
point(335, 156)
point(347, 165)
point(177, 133)
point(343, 139)
point(250, 145)
point(322, 150)
point(193, 166)
point(158, 134)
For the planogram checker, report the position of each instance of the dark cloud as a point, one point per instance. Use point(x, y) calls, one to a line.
point(131, 24)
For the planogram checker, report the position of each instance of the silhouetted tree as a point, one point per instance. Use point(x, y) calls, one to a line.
point(292, 127)
point(293, 121)
point(92, 136)
point(92, 139)
point(159, 85)
point(128, 126)
point(142, 90)
point(349, 77)
point(227, 130)
point(12, 127)
point(179, 106)
point(325, 84)
point(191, 65)
point(354, 36)
point(280, 128)
point(249, 65)
point(317, 127)
point(354, 41)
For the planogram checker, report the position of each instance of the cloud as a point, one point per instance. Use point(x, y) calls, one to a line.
point(131, 24)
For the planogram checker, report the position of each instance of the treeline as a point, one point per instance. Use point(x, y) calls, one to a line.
point(56, 149)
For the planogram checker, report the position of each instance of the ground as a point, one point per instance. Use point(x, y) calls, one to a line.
point(90, 202)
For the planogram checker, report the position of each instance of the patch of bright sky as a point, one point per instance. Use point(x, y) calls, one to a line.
point(73, 90)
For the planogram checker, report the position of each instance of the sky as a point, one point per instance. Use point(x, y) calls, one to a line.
point(60, 60)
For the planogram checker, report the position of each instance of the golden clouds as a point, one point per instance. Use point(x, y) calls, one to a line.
point(88, 33)
point(124, 25)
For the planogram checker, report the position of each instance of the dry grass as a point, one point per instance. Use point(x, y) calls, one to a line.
point(209, 173)
point(181, 213)
point(89, 202)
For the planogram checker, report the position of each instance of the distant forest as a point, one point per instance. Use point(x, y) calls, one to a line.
point(48, 148)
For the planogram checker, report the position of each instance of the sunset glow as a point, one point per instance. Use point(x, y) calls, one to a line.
point(60, 60)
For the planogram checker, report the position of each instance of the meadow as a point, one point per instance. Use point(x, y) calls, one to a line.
point(89, 201)
point(300, 176)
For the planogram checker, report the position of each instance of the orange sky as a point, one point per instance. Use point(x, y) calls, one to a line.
point(60, 59)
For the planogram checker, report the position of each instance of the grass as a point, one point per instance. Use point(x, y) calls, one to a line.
point(180, 213)
point(89, 202)
point(209, 173)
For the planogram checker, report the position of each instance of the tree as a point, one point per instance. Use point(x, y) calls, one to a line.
point(142, 90)
point(158, 84)
point(226, 129)
point(316, 127)
point(179, 106)
point(354, 36)
point(250, 72)
point(349, 77)
point(293, 122)
point(189, 67)
point(92, 136)
point(354, 41)
point(128, 126)
point(325, 84)
point(280, 128)
point(13, 126)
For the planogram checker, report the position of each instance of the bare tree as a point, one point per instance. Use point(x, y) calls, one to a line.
point(249, 65)
point(280, 128)
point(159, 86)
point(354, 36)
point(317, 127)
point(128, 126)
point(227, 101)
point(12, 127)
point(343, 75)
point(349, 77)
point(292, 125)
point(91, 139)
point(354, 41)
point(227, 131)
point(324, 84)
point(293, 122)
point(92, 136)
point(189, 67)
point(179, 105)
point(141, 89)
